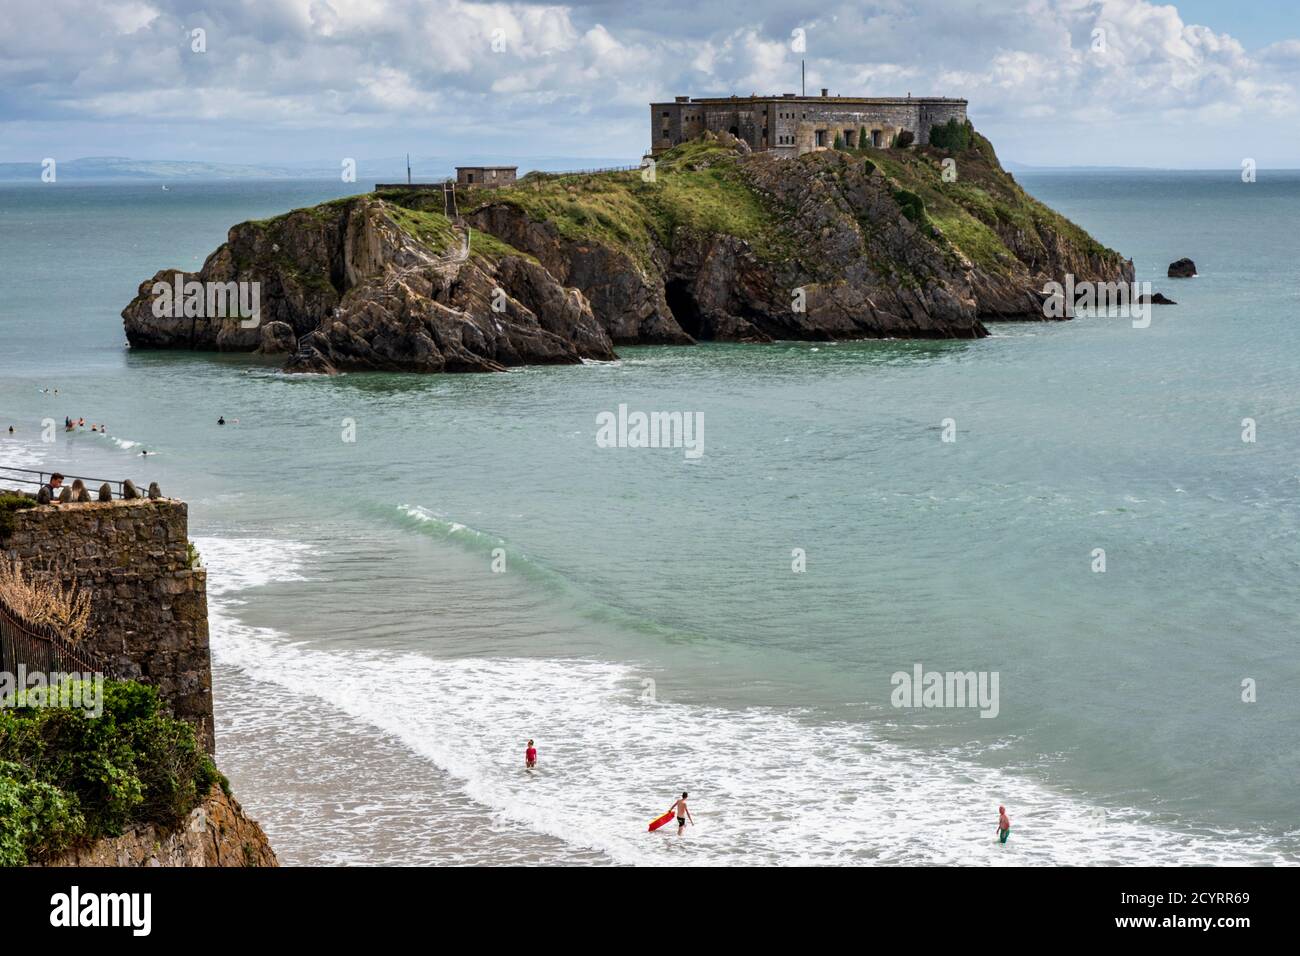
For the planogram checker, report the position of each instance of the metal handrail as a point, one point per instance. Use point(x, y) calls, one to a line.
point(41, 478)
point(42, 648)
point(545, 173)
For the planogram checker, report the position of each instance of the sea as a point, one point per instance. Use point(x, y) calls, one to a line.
point(411, 576)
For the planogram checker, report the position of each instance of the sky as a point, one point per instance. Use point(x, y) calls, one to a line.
point(1197, 84)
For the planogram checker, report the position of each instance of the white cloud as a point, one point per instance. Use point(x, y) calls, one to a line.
point(1027, 67)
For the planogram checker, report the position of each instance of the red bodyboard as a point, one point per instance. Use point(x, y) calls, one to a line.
point(655, 825)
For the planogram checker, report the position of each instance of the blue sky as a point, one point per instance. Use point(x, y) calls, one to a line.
point(1256, 23)
point(1051, 82)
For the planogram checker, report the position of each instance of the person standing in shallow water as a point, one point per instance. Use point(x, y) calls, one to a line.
point(1004, 825)
point(530, 756)
point(683, 813)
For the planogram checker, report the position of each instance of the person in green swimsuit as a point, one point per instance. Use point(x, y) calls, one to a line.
point(1004, 825)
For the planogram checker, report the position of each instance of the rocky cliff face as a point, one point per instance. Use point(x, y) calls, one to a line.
point(216, 833)
point(721, 245)
point(360, 284)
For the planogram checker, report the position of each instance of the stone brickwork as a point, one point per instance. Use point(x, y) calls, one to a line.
point(150, 611)
point(488, 177)
point(792, 125)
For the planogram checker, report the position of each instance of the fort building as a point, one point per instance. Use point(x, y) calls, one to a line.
point(791, 125)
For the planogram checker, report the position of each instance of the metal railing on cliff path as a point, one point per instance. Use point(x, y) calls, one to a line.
point(41, 649)
point(30, 476)
point(579, 172)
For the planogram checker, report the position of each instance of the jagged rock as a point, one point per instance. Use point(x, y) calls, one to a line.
point(1156, 299)
point(308, 358)
point(154, 492)
point(105, 492)
point(277, 338)
point(43, 497)
point(1182, 269)
point(65, 494)
point(859, 266)
point(386, 299)
point(216, 833)
point(629, 303)
point(129, 490)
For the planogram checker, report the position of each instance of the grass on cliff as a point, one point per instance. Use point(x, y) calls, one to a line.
point(698, 191)
point(67, 779)
point(980, 206)
point(434, 230)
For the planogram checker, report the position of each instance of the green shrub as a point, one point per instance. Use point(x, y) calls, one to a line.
point(192, 557)
point(65, 775)
point(953, 136)
point(913, 206)
point(839, 141)
point(36, 819)
point(904, 139)
point(864, 140)
point(9, 503)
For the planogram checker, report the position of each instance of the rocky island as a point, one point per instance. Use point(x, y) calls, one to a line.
point(714, 242)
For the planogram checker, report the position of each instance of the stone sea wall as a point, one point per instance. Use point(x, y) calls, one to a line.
point(150, 608)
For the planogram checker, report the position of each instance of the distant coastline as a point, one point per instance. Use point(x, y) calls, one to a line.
point(120, 169)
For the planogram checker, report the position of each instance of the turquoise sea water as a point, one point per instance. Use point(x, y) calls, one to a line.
point(376, 680)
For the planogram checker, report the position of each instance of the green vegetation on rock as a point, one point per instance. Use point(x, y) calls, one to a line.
point(9, 503)
point(67, 778)
point(953, 136)
point(981, 205)
point(698, 190)
point(701, 189)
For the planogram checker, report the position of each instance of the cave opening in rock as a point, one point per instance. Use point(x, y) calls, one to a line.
point(681, 301)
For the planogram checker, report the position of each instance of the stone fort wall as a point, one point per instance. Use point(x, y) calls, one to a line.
point(150, 609)
point(791, 125)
